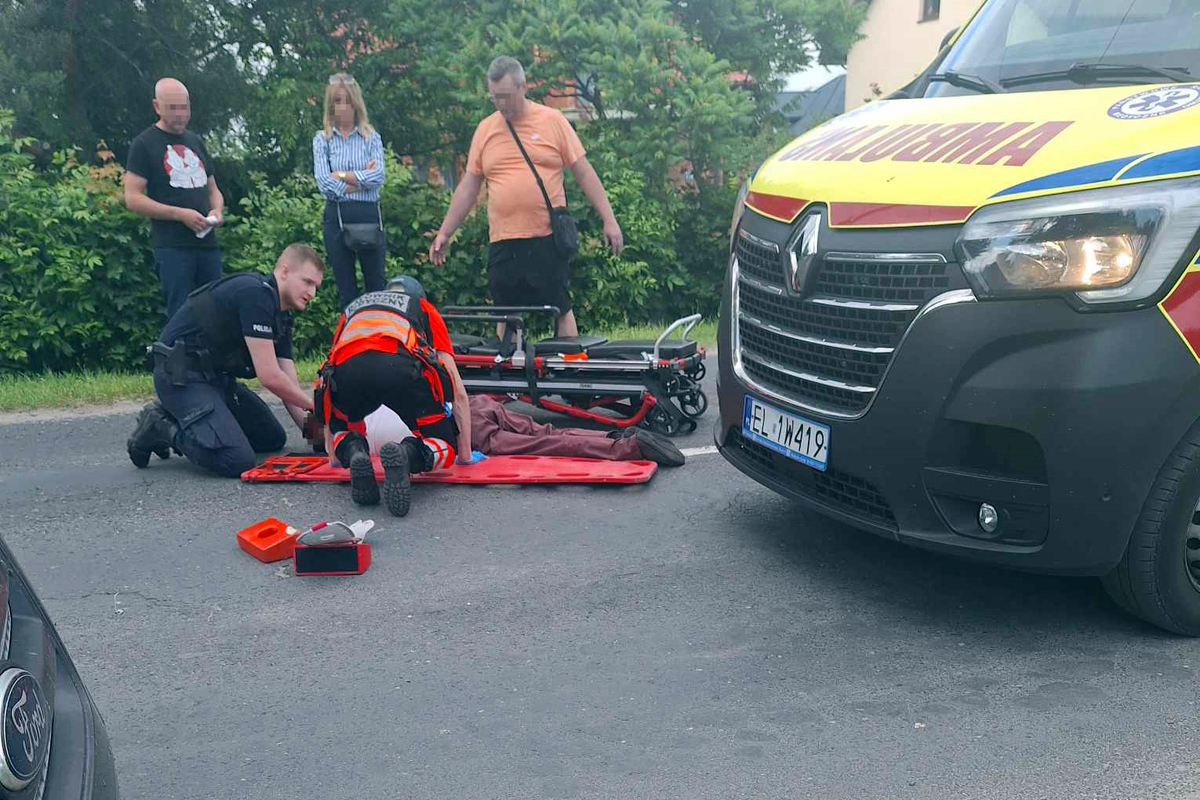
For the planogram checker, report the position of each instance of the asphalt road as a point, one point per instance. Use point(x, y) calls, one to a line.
point(696, 637)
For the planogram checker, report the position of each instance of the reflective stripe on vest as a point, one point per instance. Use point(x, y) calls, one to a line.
point(367, 328)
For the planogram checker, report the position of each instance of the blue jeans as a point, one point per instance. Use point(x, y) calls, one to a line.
point(182, 269)
point(222, 424)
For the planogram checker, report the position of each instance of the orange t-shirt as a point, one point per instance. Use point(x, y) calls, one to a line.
point(516, 209)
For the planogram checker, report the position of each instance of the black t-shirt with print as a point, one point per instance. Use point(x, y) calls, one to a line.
point(248, 300)
point(176, 169)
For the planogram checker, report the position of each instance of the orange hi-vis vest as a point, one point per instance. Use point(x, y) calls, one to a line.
point(378, 321)
point(385, 322)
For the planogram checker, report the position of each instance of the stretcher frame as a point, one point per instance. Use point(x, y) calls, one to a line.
point(656, 392)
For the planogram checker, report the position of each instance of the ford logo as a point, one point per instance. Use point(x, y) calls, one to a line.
point(25, 740)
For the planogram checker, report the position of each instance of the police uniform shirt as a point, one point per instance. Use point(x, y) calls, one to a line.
point(257, 311)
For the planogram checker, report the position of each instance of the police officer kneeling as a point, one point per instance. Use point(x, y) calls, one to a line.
point(236, 327)
point(392, 348)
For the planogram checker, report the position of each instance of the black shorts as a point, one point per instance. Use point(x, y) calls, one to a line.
point(528, 272)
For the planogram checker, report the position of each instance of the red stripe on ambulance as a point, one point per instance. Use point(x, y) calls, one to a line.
point(1183, 307)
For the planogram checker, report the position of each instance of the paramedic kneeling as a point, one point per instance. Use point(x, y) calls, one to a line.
point(392, 349)
point(236, 327)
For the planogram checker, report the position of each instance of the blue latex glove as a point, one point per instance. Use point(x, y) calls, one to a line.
point(476, 457)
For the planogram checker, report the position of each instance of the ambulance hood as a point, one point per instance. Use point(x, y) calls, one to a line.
point(934, 161)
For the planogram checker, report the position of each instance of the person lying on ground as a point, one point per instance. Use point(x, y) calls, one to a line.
point(498, 431)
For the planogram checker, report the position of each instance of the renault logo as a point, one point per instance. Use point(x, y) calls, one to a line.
point(803, 253)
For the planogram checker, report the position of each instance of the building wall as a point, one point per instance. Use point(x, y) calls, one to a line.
point(897, 45)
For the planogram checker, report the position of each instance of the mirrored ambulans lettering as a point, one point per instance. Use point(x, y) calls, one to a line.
point(1009, 144)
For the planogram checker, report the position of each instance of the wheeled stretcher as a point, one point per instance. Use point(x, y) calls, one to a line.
point(650, 382)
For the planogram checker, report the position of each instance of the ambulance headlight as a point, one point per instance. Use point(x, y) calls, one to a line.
point(1113, 245)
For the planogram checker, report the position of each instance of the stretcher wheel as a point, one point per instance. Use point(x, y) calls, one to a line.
point(662, 421)
point(698, 372)
point(694, 404)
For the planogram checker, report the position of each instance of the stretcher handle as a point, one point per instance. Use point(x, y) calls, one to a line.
point(502, 309)
point(690, 321)
point(517, 322)
point(514, 327)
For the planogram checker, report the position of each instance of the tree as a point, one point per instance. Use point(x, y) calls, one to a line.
point(772, 38)
point(75, 74)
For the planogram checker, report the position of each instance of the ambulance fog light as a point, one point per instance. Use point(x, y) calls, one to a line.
point(989, 518)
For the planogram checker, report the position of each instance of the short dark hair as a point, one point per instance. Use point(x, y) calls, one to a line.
point(302, 253)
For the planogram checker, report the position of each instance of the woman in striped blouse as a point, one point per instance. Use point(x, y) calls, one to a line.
point(348, 164)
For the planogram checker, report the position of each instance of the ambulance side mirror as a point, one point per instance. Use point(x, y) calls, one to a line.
point(946, 39)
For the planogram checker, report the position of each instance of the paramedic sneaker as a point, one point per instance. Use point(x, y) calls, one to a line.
point(363, 489)
point(397, 485)
point(658, 448)
point(154, 433)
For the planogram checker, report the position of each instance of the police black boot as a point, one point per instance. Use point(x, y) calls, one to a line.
point(352, 452)
point(154, 433)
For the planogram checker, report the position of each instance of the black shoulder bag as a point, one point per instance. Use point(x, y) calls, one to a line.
point(562, 224)
point(357, 236)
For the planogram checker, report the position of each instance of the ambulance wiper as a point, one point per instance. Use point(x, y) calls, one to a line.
point(1084, 74)
point(964, 81)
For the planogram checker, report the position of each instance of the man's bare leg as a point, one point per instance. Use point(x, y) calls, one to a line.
point(566, 324)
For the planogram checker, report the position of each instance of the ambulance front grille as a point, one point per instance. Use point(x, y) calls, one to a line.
point(829, 348)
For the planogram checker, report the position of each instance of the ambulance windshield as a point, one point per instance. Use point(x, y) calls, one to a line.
point(1030, 45)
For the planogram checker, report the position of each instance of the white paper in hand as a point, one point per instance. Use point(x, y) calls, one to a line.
point(212, 223)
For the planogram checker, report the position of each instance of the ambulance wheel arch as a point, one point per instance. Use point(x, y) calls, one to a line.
point(1158, 579)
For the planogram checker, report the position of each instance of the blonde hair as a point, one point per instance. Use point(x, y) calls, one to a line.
point(342, 80)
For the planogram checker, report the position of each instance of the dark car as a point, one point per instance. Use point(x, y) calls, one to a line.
point(52, 738)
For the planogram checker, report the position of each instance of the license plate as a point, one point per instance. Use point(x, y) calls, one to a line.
point(787, 434)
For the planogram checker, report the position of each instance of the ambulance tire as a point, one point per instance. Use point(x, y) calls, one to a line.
point(1152, 581)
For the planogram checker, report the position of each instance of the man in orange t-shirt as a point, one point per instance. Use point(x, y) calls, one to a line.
point(524, 267)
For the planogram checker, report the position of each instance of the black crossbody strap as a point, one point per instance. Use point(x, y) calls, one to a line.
point(537, 177)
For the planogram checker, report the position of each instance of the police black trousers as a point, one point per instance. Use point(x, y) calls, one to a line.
point(341, 258)
point(222, 424)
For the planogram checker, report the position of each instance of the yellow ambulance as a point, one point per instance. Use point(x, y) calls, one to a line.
point(967, 316)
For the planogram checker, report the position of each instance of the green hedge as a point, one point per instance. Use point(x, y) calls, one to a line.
point(78, 289)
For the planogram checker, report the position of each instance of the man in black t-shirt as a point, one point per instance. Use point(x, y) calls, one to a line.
point(168, 178)
point(237, 326)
